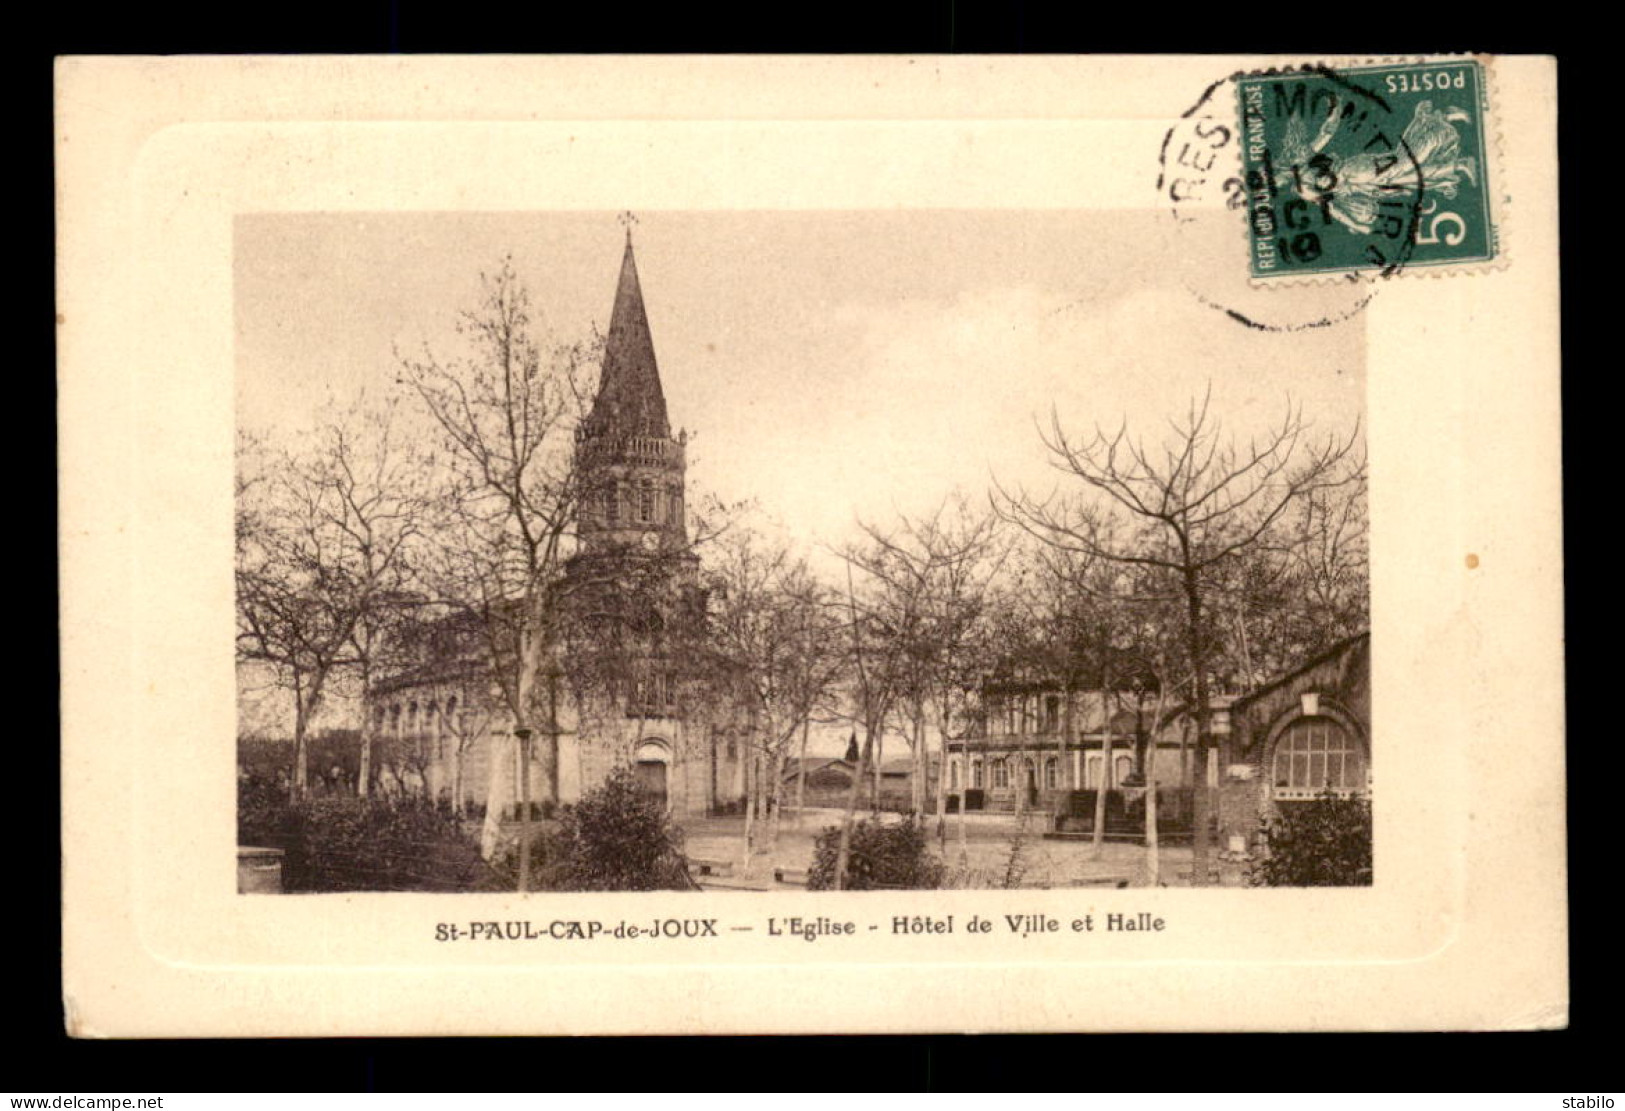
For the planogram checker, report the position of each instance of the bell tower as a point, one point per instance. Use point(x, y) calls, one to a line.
point(631, 467)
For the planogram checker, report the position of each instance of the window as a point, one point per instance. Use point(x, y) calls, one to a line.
point(1052, 774)
point(1315, 754)
point(1091, 772)
point(646, 503)
point(953, 776)
point(1001, 774)
point(1052, 713)
point(612, 504)
point(977, 775)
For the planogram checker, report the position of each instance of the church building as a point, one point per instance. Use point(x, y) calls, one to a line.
point(635, 692)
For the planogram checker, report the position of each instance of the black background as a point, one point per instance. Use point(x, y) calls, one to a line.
point(39, 1059)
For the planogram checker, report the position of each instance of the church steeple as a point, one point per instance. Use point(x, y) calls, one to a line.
point(630, 401)
point(631, 467)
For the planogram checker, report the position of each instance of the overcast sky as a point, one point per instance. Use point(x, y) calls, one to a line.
point(831, 364)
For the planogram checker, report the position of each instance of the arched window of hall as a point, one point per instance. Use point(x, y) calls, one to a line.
point(1316, 754)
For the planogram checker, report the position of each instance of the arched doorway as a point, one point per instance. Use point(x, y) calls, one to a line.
point(651, 767)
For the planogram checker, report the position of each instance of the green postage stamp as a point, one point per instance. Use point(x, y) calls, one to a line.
point(1371, 169)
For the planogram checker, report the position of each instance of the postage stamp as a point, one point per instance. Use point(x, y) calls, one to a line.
point(1370, 169)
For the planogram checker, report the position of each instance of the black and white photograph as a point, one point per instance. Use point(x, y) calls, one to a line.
point(743, 551)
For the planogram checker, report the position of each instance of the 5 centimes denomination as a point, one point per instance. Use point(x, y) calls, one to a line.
point(1373, 169)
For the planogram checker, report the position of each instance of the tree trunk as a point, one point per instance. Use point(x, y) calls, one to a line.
point(1153, 849)
point(364, 771)
point(457, 744)
point(499, 791)
point(880, 758)
point(1105, 779)
point(964, 834)
point(843, 852)
point(298, 781)
point(1246, 652)
point(1019, 779)
point(1200, 800)
point(364, 761)
point(524, 812)
point(748, 770)
point(801, 770)
point(774, 803)
point(942, 784)
point(550, 744)
point(713, 758)
point(916, 794)
point(1066, 734)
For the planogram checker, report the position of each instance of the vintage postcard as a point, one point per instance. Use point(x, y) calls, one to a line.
point(810, 545)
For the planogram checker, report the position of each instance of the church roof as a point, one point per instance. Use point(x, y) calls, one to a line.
point(630, 401)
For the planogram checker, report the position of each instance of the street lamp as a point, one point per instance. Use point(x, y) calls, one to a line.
point(524, 736)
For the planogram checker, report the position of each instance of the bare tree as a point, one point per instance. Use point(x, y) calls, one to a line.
point(376, 481)
point(911, 639)
point(929, 579)
point(1303, 587)
point(873, 687)
point(1183, 509)
point(323, 538)
point(775, 630)
point(507, 409)
point(296, 603)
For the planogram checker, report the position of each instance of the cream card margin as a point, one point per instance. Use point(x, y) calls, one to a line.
point(1466, 927)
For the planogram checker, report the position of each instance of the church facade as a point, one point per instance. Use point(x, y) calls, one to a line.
point(633, 691)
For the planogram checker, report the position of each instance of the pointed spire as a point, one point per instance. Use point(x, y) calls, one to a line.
point(630, 401)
